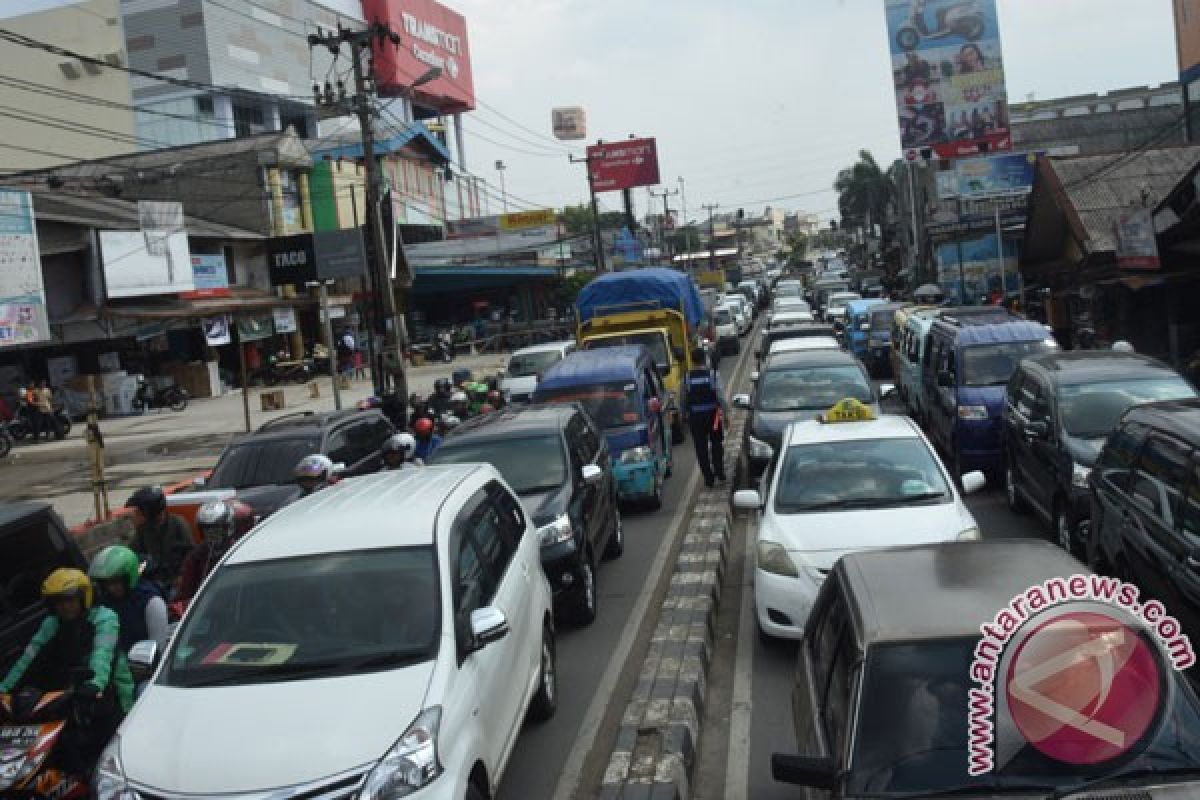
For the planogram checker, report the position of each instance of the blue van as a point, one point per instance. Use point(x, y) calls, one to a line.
point(965, 369)
point(621, 389)
point(858, 325)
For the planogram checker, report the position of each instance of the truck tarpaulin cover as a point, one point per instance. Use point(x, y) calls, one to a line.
point(664, 287)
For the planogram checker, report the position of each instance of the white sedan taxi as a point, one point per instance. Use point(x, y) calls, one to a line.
point(845, 482)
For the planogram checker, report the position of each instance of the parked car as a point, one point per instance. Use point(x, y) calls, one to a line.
point(258, 467)
point(728, 342)
point(968, 364)
point(525, 365)
point(790, 387)
point(391, 631)
point(623, 393)
point(1059, 409)
point(881, 700)
point(1145, 506)
point(557, 462)
point(33, 543)
point(846, 483)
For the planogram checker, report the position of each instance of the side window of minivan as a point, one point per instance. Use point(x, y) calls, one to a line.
point(1120, 454)
point(1159, 478)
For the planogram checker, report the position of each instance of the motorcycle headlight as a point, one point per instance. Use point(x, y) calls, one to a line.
point(760, 450)
point(973, 413)
point(773, 558)
point(411, 764)
point(557, 532)
point(636, 455)
point(108, 781)
point(970, 535)
point(1080, 475)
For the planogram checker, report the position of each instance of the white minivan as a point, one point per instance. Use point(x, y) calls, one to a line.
point(384, 637)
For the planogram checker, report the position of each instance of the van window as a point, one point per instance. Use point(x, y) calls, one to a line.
point(1159, 478)
point(1120, 454)
point(611, 405)
point(993, 364)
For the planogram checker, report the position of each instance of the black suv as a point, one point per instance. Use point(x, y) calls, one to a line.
point(259, 466)
point(33, 543)
point(1058, 411)
point(558, 463)
point(1145, 503)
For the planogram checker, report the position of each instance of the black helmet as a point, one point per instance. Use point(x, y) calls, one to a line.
point(442, 385)
point(150, 500)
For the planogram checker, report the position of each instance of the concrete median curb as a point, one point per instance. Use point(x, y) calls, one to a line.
point(655, 753)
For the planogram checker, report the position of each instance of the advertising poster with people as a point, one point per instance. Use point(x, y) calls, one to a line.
point(980, 269)
point(948, 74)
point(23, 318)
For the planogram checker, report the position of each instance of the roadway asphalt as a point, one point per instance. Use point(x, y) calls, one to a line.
point(598, 665)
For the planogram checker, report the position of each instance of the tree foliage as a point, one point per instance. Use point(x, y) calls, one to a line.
point(864, 191)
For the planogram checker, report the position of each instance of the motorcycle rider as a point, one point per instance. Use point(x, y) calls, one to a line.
point(313, 473)
point(399, 452)
point(427, 439)
point(137, 602)
point(77, 635)
point(439, 401)
point(460, 405)
point(221, 524)
point(160, 537)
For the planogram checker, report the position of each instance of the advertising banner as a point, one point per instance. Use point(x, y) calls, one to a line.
point(431, 36)
point(339, 254)
point(1137, 247)
point(23, 318)
point(623, 165)
point(153, 260)
point(569, 123)
point(254, 327)
point(980, 268)
point(216, 330)
point(529, 239)
point(490, 226)
point(210, 277)
point(948, 75)
point(285, 320)
point(1007, 174)
point(292, 259)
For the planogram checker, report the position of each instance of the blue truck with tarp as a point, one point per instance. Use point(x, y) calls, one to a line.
point(660, 309)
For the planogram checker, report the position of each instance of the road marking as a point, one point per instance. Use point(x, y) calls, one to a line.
point(737, 767)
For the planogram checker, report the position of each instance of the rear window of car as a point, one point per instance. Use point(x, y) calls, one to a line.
point(266, 462)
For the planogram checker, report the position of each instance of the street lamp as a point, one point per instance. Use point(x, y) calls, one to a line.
point(503, 192)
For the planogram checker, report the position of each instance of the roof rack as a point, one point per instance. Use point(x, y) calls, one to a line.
point(978, 315)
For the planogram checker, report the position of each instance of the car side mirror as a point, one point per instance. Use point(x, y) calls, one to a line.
point(819, 773)
point(747, 500)
point(144, 654)
point(741, 401)
point(488, 625)
point(973, 482)
point(945, 380)
point(1037, 430)
point(887, 390)
point(591, 474)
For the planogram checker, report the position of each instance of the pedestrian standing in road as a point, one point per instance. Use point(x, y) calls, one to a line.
point(704, 405)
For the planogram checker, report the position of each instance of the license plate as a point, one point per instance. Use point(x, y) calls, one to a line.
point(18, 736)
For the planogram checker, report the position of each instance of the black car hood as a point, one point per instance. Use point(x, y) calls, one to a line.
point(545, 507)
point(266, 500)
point(1085, 451)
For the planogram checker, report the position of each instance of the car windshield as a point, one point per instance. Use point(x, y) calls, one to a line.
point(267, 462)
point(529, 464)
point(994, 364)
point(313, 616)
point(1092, 410)
point(523, 365)
point(787, 290)
point(870, 473)
point(724, 317)
point(654, 341)
point(912, 733)
point(811, 388)
point(612, 405)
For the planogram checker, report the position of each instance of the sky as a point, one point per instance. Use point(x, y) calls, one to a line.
point(753, 102)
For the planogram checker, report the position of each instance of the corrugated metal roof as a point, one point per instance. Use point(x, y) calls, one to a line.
point(1101, 188)
point(111, 213)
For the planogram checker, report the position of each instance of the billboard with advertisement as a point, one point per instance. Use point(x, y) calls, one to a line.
point(623, 165)
point(431, 37)
point(23, 317)
point(146, 262)
point(210, 276)
point(995, 175)
point(974, 261)
point(490, 226)
point(569, 123)
point(1137, 247)
point(948, 76)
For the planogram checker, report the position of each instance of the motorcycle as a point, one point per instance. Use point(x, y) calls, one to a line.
point(443, 347)
point(963, 19)
point(24, 422)
point(288, 372)
point(31, 726)
point(171, 397)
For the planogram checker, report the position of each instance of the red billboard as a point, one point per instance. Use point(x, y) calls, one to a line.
point(623, 165)
point(431, 35)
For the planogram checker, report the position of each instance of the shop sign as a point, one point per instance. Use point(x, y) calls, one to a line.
point(1137, 247)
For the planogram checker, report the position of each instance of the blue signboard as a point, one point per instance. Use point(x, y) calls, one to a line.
point(1006, 174)
point(210, 273)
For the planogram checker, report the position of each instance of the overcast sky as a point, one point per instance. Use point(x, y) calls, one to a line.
point(755, 99)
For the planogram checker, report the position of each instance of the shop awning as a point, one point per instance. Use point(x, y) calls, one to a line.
point(244, 300)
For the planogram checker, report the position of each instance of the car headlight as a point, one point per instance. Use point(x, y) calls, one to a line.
point(974, 413)
point(636, 455)
point(411, 764)
point(971, 534)
point(760, 450)
point(108, 781)
point(773, 558)
point(1080, 475)
point(557, 532)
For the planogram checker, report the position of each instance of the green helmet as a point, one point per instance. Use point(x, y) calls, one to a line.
point(116, 561)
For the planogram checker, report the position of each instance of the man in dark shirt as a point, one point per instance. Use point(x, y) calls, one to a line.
point(161, 538)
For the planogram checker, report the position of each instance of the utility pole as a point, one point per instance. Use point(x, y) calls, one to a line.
point(597, 239)
point(360, 42)
point(666, 218)
point(683, 200)
point(503, 191)
point(712, 248)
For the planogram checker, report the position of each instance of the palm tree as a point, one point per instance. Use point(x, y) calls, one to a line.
point(864, 191)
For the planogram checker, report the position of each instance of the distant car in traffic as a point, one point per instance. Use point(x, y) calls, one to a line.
point(804, 344)
point(525, 365)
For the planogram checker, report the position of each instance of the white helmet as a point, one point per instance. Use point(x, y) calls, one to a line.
point(314, 466)
point(400, 443)
point(459, 397)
